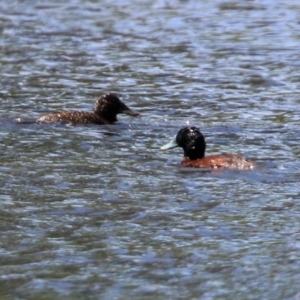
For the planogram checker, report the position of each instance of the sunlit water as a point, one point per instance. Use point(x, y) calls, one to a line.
point(99, 212)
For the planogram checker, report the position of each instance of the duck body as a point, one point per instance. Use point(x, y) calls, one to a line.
point(105, 111)
point(193, 143)
point(219, 161)
point(73, 117)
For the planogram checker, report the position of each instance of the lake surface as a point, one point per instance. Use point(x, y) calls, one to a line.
point(100, 212)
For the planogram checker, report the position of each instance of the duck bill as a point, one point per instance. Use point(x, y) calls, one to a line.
point(130, 112)
point(126, 110)
point(172, 144)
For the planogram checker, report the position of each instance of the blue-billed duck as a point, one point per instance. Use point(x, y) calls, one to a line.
point(105, 111)
point(193, 143)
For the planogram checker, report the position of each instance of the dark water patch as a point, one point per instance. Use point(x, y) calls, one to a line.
point(234, 6)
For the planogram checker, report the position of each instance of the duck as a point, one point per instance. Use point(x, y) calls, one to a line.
point(105, 111)
point(193, 143)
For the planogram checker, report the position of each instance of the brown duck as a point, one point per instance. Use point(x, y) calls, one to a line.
point(105, 111)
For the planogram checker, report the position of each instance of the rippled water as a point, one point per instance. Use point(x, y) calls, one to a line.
point(99, 212)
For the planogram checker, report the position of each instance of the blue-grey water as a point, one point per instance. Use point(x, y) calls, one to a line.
point(100, 212)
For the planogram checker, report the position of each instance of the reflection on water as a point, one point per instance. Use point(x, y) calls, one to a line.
point(99, 212)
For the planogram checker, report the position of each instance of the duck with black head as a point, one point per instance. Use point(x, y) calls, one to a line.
point(193, 143)
point(105, 111)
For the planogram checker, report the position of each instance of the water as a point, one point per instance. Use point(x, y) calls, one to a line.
point(99, 212)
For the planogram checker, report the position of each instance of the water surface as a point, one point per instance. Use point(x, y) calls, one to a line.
point(99, 212)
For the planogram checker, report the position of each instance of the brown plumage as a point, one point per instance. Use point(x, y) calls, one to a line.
point(106, 109)
point(219, 161)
